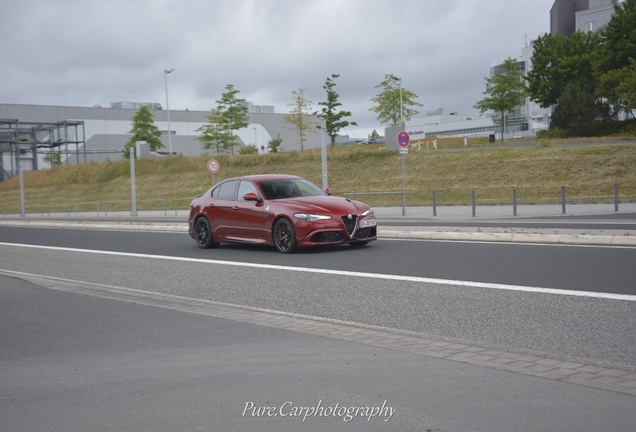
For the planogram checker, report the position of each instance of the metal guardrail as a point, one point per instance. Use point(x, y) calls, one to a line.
point(77, 204)
point(403, 193)
point(113, 202)
point(181, 199)
point(46, 208)
point(68, 207)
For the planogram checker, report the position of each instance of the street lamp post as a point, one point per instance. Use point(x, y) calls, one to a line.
point(165, 79)
point(255, 142)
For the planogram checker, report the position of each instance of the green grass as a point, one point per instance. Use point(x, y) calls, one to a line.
point(537, 173)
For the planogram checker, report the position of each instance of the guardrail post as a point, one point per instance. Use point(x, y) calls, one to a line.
point(615, 196)
point(434, 203)
point(514, 202)
point(165, 208)
point(473, 196)
point(563, 199)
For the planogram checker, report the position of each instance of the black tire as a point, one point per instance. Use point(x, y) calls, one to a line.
point(358, 244)
point(284, 236)
point(203, 234)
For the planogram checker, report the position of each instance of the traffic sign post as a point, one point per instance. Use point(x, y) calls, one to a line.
point(213, 167)
point(403, 140)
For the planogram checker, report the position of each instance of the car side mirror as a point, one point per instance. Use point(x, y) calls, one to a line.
point(328, 191)
point(250, 196)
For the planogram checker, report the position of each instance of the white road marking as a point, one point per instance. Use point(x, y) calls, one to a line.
point(344, 273)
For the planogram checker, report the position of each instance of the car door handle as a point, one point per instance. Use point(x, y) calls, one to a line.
point(235, 208)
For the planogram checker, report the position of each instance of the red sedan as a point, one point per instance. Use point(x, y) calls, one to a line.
point(285, 211)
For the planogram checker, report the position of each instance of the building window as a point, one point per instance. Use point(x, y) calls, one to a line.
point(590, 26)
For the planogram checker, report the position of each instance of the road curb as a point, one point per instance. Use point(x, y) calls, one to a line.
point(494, 237)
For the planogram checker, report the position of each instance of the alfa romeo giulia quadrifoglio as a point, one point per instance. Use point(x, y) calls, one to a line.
point(284, 211)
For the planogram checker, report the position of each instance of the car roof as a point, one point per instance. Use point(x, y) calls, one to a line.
point(263, 177)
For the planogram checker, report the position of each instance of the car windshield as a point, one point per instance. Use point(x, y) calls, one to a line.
point(289, 188)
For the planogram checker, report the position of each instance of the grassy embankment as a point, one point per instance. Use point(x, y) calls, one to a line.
point(537, 172)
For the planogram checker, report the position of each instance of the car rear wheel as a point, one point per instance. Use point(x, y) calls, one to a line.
point(203, 234)
point(285, 236)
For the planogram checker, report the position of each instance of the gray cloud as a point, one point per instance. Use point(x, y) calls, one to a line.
point(82, 53)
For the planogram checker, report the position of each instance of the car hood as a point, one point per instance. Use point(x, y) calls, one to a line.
point(323, 205)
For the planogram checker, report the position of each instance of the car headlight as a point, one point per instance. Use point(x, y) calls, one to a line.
point(311, 217)
point(368, 213)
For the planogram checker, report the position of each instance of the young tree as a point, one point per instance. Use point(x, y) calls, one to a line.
point(333, 120)
point(234, 111)
point(54, 159)
point(144, 129)
point(215, 134)
point(393, 99)
point(300, 116)
point(273, 145)
point(230, 115)
point(504, 91)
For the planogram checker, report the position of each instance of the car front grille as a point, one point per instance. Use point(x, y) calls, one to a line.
point(366, 233)
point(350, 224)
point(328, 237)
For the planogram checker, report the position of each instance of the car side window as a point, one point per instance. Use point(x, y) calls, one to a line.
point(227, 190)
point(245, 187)
point(215, 192)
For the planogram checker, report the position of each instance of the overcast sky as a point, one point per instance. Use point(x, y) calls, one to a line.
point(85, 52)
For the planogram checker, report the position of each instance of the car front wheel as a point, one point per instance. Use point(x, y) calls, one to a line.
point(203, 234)
point(285, 236)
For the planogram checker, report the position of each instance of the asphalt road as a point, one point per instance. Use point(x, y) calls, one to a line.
point(71, 362)
point(74, 362)
point(596, 330)
point(594, 269)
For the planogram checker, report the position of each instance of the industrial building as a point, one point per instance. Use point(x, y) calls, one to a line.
point(96, 133)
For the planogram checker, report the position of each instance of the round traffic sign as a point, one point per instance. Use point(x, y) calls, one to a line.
point(213, 165)
point(403, 139)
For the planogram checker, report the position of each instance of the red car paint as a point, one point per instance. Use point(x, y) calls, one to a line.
point(248, 209)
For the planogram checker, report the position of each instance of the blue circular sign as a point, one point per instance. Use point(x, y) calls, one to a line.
point(403, 139)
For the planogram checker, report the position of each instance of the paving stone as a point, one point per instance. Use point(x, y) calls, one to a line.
point(441, 344)
point(628, 383)
point(569, 365)
point(614, 373)
point(474, 349)
point(521, 364)
point(482, 357)
point(583, 376)
point(560, 373)
point(527, 358)
point(502, 361)
point(591, 369)
point(605, 380)
point(548, 362)
point(542, 368)
point(457, 346)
